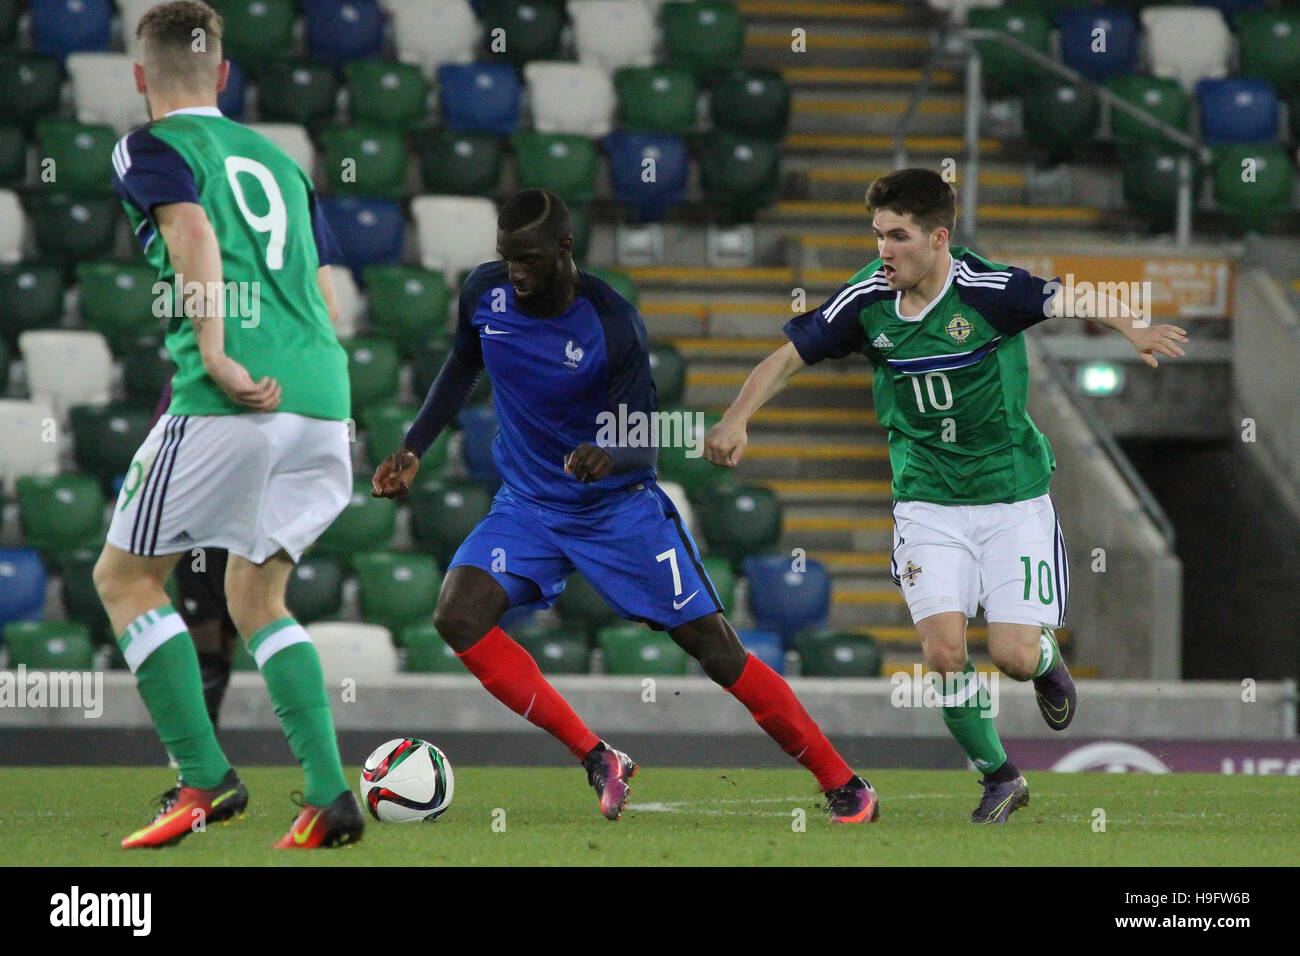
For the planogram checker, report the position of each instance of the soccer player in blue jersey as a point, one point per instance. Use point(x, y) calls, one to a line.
point(563, 350)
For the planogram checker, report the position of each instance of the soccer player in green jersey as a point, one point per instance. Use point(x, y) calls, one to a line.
point(973, 521)
point(252, 454)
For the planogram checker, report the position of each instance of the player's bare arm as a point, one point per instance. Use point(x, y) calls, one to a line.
point(195, 255)
point(725, 442)
point(1147, 339)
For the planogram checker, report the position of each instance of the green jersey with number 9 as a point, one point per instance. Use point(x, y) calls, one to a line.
point(951, 383)
point(272, 239)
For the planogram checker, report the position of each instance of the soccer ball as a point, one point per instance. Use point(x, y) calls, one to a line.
point(407, 780)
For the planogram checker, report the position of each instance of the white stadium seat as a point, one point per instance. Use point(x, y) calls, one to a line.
point(613, 33)
point(348, 298)
point(1187, 44)
point(13, 226)
point(572, 98)
point(456, 233)
point(291, 138)
point(132, 11)
point(51, 354)
point(362, 652)
point(956, 9)
point(677, 494)
point(24, 426)
point(429, 33)
point(103, 89)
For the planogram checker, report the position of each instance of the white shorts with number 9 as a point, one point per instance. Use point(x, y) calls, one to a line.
point(1010, 558)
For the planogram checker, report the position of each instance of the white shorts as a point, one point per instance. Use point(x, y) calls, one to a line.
point(1008, 557)
point(253, 484)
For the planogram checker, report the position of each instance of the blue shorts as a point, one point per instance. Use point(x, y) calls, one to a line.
point(635, 552)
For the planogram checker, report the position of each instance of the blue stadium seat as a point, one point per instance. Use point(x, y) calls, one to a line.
point(784, 600)
point(340, 31)
point(479, 425)
point(231, 100)
point(766, 646)
point(651, 190)
point(1118, 40)
point(479, 97)
point(60, 27)
point(1237, 110)
point(22, 585)
point(369, 231)
point(1230, 8)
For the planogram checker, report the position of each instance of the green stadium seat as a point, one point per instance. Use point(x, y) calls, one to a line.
point(740, 174)
point(459, 163)
point(4, 367)
point(147, 368)
point(397, 589)
point(694, 474)
point(444, 512)
point(1269, 45)
point(60, 513)
point(30, 86)
point(315, 589)
point(706, 37)
point(723, 577)
point(668, 368)
point(829, 653)
point(1059, 116)
point(106, 437)
point(1253, 196)
point(427, 363)
point(364, 161)
point(580, 607)
point(1293, 118)
point(754, 102)
point(117, 300)
point(1005, 70)
point(80, 599)
point(366, 524)
point(1150, 183)
point(386, 427)
point(427, 652)
point(635, 650)
point(32, 294)
point(1165, 99)
point(386, 93)
point(49, 645)
point(9, 11)
point(656, 99)
point(620, 282)
point(741, 521)
point(531, 30)
point(74, 228)
point(567, 165)
point(82, 156)
point(580, 226)
point(407, 305)
point(556, 649)
point(297, 92)
point(256, 31)
point(373, 370)
point(13, 155)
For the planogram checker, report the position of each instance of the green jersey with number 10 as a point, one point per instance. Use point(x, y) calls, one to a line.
point(950, 384)
point(259, 202)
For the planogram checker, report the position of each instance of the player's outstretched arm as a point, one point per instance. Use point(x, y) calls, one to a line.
point(1147, 339)
point(725, 442)
point(395, 474)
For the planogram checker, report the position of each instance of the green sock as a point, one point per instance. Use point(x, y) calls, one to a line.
point(160, 653)
point(291, 668)
point(967, 715)
point(1048, 652)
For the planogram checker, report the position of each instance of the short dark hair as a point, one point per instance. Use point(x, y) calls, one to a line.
point(921, 193)
point(170, 34)
point(538, 209)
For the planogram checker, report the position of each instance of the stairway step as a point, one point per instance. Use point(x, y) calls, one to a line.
point(860, 143)
point(814, 10)
point(856, 76)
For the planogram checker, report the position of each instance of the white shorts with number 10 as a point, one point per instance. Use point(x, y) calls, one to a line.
point(1010, 558)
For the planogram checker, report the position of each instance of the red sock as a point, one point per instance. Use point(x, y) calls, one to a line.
point(773, 704)
point(509, 673)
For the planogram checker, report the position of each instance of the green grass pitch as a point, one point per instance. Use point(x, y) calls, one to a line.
point(77, 817)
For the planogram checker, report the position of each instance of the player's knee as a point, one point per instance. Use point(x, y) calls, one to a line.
point(945, 660)
point(715, 645)
point(459, 624)
point(1013, 662)
point(115, 582)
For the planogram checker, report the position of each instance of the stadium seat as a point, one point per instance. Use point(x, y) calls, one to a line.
point(457, 163)
point(80, 599)
point(359, 652)
point(1098, 41)
point(315, 588)
point(705, 37)
point(1253, 184)
point(387, 425)
point(427, 362)
point(340, 31)
point(668, 368)
point(373, 369)
point(30, 86)
point(366, 524)
point(24, 446)
point(740, 174)
point(455, 233)
point(556, 650)
point(1187, 44)
point(444, 512)
point(369, 231)
point(291, 138)
point(740, 521)
point(647, 172)
point(117, 300)
point(687, 466)
point(103, 90)
point(13, 155)
point(49, 645)
point(430, 33)
point(723, 578)
point(572, 98)
point(579, 606)
point(685, 510)
point(147, 368)
point(656, 99)
point(13, 227)
point(74, 228)
point(131, 11)
point(60, 27)
point(22, 585)
point(621, 283)
point(396, 589)
point(479, 97)
point(634, 650)
point(567, 165)
point(348, 302)
point(426, 652)
point(384, 93)
point(1005, 70)
point(580, 226)
point(32, 294)
point(786, 600)
point(829, 653)
point(82, 156)
point(1059, 116)
point(1166, 100)
point(298, 92)
point(1269, 44)
point(60, 513)
point(49, 354)
point(4, 366)
point(1150, 183)
point(106, 437)
point(407, 305)
point(478, 430)
point(1237, 110)
point(364, 161)
point(256, 31)
point(766, 646)
point(9, 13)
point(612, 34)
point(756, 102)
point(529, 29)
point(232, 100)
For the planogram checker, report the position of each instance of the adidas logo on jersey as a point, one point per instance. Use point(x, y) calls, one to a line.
point(882, 342)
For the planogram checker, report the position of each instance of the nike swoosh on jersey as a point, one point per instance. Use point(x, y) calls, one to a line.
point(678, 607)
point(488, 330)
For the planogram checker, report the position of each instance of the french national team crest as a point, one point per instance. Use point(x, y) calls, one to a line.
point(911, 573)
point(959, 328)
